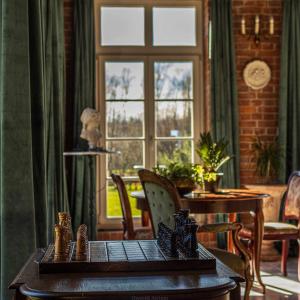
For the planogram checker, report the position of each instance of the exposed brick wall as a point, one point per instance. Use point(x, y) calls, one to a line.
point(258, 109)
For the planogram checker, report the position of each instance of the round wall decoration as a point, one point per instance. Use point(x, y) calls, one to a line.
point(257, 74)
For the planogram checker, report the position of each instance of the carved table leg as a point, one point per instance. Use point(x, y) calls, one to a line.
point(258, 236)
point(231, 219)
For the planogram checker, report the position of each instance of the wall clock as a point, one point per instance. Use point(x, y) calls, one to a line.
point(257, 74)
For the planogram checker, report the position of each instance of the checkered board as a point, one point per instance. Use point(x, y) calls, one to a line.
point(116, 256)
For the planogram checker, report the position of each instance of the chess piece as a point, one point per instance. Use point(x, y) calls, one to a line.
point(186, 233)
point(82, 243)
point(59, 244)
point(65, 221)
point(90, 119)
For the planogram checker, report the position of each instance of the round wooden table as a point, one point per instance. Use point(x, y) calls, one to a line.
point(229, 201)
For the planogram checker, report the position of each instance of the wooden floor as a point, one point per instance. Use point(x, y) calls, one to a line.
point(278, 286)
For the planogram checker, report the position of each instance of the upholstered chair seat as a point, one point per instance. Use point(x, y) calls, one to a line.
point(233, 261)
point(271, 229)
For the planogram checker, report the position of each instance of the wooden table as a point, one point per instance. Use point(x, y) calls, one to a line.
point(231, 201)
point(187, 285)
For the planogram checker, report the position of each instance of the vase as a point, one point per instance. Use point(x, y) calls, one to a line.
point(213, 186)
point(184, 185)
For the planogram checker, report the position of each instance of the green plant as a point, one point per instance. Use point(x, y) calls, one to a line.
point(177, 170)
point(267, 157)
point(212, 153)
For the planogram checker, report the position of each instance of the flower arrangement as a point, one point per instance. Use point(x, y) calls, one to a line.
point(212, 155)
point(185, 176)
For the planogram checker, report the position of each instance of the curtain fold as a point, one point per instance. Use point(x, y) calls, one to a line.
point(82, 202)
point(289, 104)
point(32, 181)
point(224, 102)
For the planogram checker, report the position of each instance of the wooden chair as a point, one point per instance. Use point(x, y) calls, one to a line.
point(162, 197)
point(164, 201)
point(239, 263)
point(129, 231)
point(281, 230)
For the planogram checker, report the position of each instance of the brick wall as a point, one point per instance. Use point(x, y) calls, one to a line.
point(258, 109)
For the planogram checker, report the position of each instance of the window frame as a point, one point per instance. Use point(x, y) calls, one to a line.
point(148, 54)
point(148, 32)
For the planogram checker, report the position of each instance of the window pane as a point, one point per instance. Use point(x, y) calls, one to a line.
point(124, 80)
point(122, 26)
point(113, 208)
point(173, 80)
point(174, 26)
point(173, 119)
point(170, 151)
point(129, 160)
point(125, 119)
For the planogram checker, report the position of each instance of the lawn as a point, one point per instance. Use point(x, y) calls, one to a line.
point(113, 201)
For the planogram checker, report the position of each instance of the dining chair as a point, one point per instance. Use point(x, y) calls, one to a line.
point(240, 263)
point(162, 197)
point(283, 231)
point(164, 201)
point(130, 232)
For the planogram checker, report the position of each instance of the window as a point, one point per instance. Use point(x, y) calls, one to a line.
point(149, 87)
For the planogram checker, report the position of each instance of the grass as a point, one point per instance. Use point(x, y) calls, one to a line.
point(113, 201)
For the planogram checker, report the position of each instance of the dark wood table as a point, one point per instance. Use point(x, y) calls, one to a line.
point(230, 201)
point(186, 285)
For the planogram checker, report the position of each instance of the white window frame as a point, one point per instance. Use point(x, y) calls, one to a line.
point(148, 54)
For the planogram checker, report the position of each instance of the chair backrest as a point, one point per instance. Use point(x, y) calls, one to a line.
point(292, 197)
point(125, 206)
point(163, 198)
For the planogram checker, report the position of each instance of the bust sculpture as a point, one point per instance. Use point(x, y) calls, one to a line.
point(90, 119)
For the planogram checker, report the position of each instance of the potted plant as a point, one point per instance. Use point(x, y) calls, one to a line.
point(267, 157)
point(212, 155)
point(184, 176)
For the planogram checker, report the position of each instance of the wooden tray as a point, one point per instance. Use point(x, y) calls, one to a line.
point(116, 256)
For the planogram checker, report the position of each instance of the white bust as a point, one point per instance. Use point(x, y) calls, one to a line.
point(90, 119)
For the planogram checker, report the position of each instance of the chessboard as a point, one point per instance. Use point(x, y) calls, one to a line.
point(118, 256)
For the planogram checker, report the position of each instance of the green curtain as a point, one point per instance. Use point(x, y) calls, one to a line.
point(289, 104)
point(224, 102)
point(82, 202)
point(32, 182)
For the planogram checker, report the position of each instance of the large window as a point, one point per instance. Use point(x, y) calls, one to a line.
point(149, 86)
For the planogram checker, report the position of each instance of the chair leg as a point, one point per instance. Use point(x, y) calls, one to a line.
point(248, 286)
point(284, 256)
